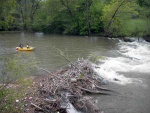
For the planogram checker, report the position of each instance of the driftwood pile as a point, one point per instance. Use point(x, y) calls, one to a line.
point(65, 91)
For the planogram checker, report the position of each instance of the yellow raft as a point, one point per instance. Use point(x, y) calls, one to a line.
point(25, 49)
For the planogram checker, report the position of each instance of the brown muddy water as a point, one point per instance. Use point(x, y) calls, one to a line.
point(125, 67)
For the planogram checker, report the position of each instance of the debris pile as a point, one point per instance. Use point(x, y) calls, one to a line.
point(65, 91)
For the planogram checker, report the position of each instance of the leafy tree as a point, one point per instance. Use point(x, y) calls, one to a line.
point(77, 17)
point(27, 10)
point(48, 17)
point(6, 14)
point(14, 81)
point(69, 17)
point(116, 14)
point(145, 14)
point(145, 3)
point(16, 67)
point(95, 14)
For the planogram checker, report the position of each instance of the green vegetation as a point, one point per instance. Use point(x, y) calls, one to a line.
point(13, 92)
point(137, 27)
point(16, 67)
point(94, 58)
point(15, 82)
point(77, 17)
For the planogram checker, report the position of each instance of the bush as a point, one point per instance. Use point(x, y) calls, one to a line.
point(15, 81)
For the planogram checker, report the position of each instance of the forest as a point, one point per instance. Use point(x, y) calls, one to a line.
point(117, 18)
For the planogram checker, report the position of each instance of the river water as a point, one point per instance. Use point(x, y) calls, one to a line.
point(125, 67)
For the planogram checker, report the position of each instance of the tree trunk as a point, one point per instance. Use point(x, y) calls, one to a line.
point(87, 18)
point(111, 20)
point(67, 6)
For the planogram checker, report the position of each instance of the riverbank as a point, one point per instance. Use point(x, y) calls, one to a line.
point(15, 96)
point(65, 90)
point(47, 93)
point(124, 38)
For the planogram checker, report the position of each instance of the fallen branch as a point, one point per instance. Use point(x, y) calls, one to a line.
point(69, 84)
point(94, 92)
point(36, 106)
point(45, 71)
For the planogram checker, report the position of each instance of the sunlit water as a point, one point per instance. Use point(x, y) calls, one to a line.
point(119, 57)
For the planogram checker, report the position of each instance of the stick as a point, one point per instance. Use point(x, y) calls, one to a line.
point(96, 92)
point(36, 106)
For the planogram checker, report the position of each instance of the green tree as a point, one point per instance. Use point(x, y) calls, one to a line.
point(47, 18)
point(14, 81)
point(16, 67)
point(69, 17)
point(116, 14)
point(95, 14)
point(7, 17)
point(145, 14)
point(27, 10)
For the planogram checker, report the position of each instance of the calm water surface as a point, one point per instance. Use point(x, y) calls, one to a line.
point(45, 47)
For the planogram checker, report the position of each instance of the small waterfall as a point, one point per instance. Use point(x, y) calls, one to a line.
point(133, 57)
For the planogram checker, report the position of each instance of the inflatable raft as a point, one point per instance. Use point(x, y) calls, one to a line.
point(25, 49)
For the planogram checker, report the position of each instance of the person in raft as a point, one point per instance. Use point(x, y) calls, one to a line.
point(27, 45)
point(21, 46)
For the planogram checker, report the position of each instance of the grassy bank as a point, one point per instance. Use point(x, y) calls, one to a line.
point(15, 82)
point(13, 97)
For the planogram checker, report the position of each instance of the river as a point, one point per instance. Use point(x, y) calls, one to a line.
point(125, 66)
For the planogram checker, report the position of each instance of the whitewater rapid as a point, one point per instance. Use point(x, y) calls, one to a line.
point(133, 57)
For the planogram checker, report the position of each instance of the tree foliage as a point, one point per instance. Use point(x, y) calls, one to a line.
point(116, 14)
point(16, 67)
point(76, 17)
point(7, 17)
point(145, 14)
point(27, 10)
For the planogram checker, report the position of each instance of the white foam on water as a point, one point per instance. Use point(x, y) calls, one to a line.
point(139, 53)
point(71, 109)
point(134, 57)
point(138, 50)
